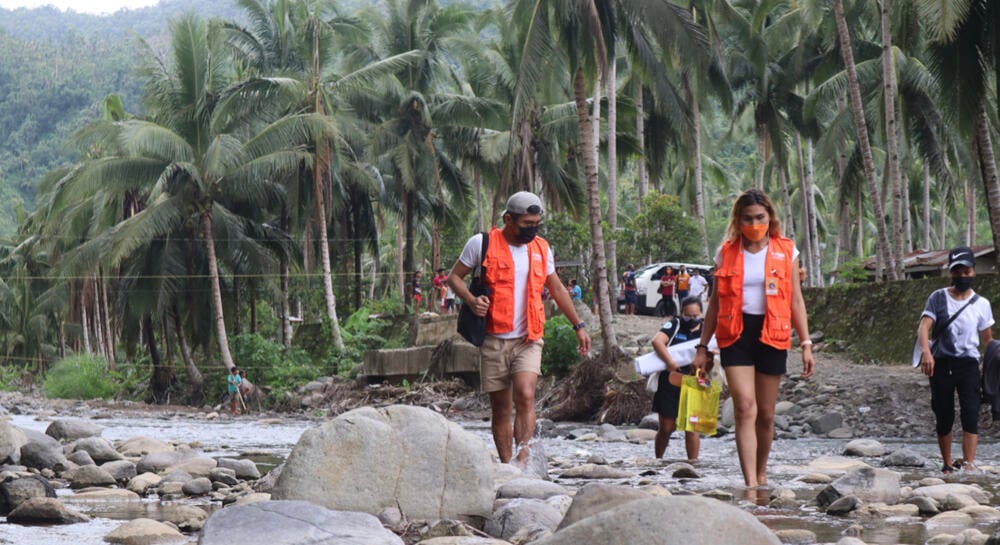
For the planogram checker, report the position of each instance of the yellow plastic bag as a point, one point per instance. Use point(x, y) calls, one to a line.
point(699, 406)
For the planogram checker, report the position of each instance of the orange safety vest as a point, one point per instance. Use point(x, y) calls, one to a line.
point(499, 268)
point(777, 330)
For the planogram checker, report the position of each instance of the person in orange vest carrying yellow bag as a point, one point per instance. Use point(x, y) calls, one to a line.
point(517, 266)
point(755, 304)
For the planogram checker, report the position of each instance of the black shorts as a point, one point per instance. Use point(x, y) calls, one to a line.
point(749, 351)
point(668, 396)
point(630, 297)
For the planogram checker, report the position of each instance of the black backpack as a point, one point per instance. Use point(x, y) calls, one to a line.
point(991, 378)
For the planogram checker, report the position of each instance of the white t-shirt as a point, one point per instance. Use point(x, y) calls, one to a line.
point(471, 256)
point(754, 298)
point(697, 285)
point(966, 326)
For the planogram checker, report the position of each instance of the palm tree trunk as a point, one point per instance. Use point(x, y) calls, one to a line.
point(892, 139)
point(927, 206)
point(401, 260)
point(859, 220)
point(813, 215)
point(970, 212)
point(162, 374)
point(195, 378)
point(85, 319)
point(109, 340)
point(699, 183)
point(640, 131)
point(943, 218)
point(286, 305)
point(988, 168)
point(806, 229)
point(477, 180)
point(613, 179)
point(600, 265)
point(237, 304)
point(786, 200)
point(907, 220)
point(861, 128)
point(761, 156)
point(213, 273)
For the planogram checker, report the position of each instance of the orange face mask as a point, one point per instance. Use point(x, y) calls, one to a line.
point(755, 232)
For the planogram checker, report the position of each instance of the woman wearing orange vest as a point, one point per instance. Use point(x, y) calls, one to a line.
point(756, 302)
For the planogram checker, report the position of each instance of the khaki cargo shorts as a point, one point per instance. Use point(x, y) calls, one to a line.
point(500, 358)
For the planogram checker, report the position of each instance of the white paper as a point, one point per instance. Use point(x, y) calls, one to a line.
point(682, 354)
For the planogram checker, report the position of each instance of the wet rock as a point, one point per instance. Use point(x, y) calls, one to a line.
point(940, 492)
point(835, 465)
point(293, 523)
point(901, 510)
point(410, 457)
point(122, 470)
point(158, 461)
point(982, 514)
point(11, 440)
point(594, 471)
point(595, 498)
point(44, 511)
point(15, 491)
point(609, 432)
point(904, 457)
point(142, 446)
point(141, 484)
point(925, 505)
point(721, 495)
point(81, 458)
point(197, 487)
point(682, 470)
point(650, 422)
point(868, 484)
point(786, 408)
point(71, 430)
point(41, 451)
point(796, 536)
point(825, 423)
point(102, 495)
point(864, 447)
point(463, 540)
point(816, 478)
point(597, 459)
point(949, 519)
point(245, 469)
point(671, 519)
point(841, 433)
point(224, 476)
point(956, 502)
point(186, 517)
point(530, 489)
point(521, 513)
point(143, 532)
point(253, 497)
point(198, 466)
point(87, 476)
point(843, 505)
point(98, 448)
point(727, 413)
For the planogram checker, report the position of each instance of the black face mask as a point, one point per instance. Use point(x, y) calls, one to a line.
point(690, 323)
point(526, 234)
point(962, 283)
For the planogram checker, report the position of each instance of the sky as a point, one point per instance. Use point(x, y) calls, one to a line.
point(81, 6)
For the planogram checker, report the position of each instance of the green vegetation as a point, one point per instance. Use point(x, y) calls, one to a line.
point(80, 377)
point(560, 352)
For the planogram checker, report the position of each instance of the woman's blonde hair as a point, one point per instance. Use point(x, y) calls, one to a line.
point(751, 197)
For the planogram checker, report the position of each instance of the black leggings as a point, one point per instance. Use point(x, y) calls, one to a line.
point(951, 374)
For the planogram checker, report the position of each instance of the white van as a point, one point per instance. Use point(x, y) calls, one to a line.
point(647, 283)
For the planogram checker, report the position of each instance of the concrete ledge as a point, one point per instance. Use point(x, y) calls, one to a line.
point(431, 329)
point(460, 358)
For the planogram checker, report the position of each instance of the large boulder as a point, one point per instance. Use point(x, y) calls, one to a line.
point(71, 430)
point(141, 446)
point(245, 469)
point(15, 491)
point(11, 440)
point(866, 483)
point(594, 498)
point(44, 511)
point(88, 476)
point(671, 519)
point(41, 451)
point(157, 461)
point(400, 456)
point(143, 532)
point(98, 448)
point(293, 523)
point(519, 514)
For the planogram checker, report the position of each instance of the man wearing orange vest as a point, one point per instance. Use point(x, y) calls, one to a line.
point(517, 266)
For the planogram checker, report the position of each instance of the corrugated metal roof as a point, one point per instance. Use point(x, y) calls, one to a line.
point(930, 259)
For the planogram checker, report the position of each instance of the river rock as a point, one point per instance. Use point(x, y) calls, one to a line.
point(142, 446)
point(71, 430)
point(672, 519)
point(99, 448)
point(144, 532)
point(463, 540)
point(594, 471)
point(904, 457)
point(103, 495)
point(796, 536)
point(949, 519)
point(156, 462)
point(197, 487)
point(199, 466)
point(650, 422)
point(843, 505)
point(867, 483)
point(519, 514)
point(44, 511)
point(41, 451)
point(864, 447)
point(786, 408)
point(121, 470)
point(940, 492)
point(727, 413)
point(834, 465)
point(593, 498)
point(410, 457)
point(293, 523)
point(253, 497)
point(608, 432)
point(925, 505)
point(186, 517)
point(11, 441)
point(140, 484)
point(956, 502)
point(244, 469)
point(682, 470)
point(640, 435)
point(850, 541)
point(87, 476)
point(15, 491)
point(825, 423)
point(81, 458)
point(982, 514)
point(530, 488)
point(223, 475)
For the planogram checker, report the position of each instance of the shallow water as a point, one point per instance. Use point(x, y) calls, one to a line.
point(268, 443)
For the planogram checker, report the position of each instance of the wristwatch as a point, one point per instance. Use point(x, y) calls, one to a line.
point(579, 326)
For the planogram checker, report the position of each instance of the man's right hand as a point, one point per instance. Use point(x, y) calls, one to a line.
point(481, 305)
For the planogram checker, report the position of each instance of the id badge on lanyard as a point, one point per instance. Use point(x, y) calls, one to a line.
point(771, 284)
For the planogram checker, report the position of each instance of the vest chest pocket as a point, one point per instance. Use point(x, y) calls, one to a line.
point(725, 282)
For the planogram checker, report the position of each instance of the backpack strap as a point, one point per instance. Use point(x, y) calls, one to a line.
point(477, 272)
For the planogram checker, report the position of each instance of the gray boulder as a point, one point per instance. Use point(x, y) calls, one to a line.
point(44, 511)
point(141, 446)
point(673, 519)
point(530, 488)
point(650, 422)
point(140, 484)
point(595, 498)
point(864, 447)
point(825, 423)
point(940, 492)
point(408, 457)
point(143, 532)
point(81, 458)
point(158, 461)
point(13, 492)
point(867, 484)
point(11, 440)
point(121, 470)
point(904, 457)
point(71, 430)
point(197, 487)
point(224, 476)
point(41, 451)
point(522, 513)
point(245, 469)
point(87, 476)
point(293, 523)
point(98, 448)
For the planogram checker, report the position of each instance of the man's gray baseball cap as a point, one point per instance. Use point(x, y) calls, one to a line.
point(524, 202)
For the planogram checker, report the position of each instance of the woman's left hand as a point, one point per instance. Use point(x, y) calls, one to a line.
point(808, 363)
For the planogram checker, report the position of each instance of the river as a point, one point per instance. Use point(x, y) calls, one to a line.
point(268, 442)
